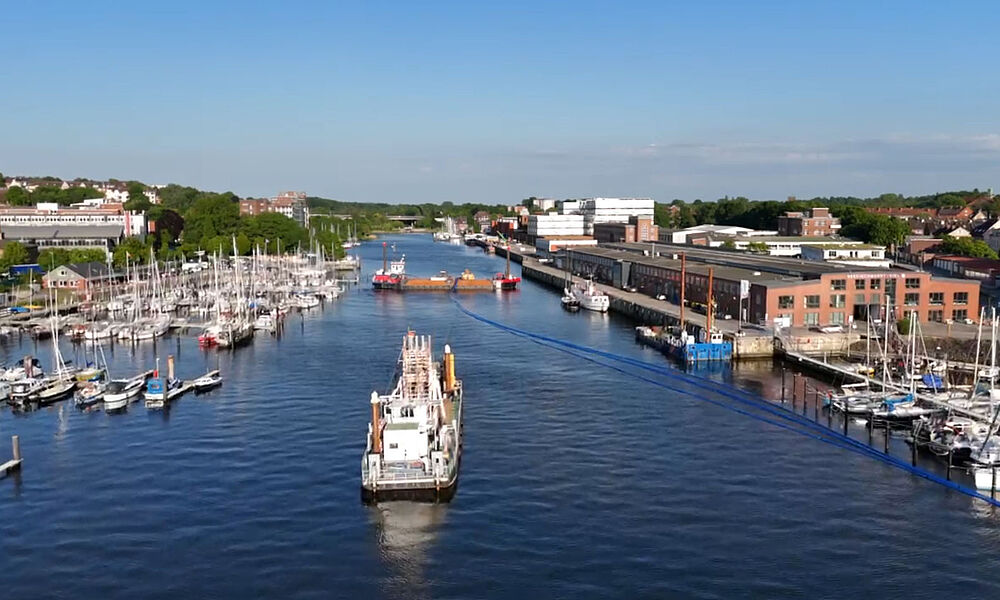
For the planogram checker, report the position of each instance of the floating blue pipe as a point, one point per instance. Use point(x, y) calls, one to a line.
point(822, 434)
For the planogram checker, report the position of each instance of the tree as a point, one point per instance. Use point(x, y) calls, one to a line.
point(964, 246)
point(211, 216)
point(274, 226)
point(131, 249)
point(18, 196)
point(757, 247)
point(14, 253)
point(50, 258)
point(243, 245)
point(728, 245)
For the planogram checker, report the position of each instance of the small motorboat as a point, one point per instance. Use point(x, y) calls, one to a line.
point(121, 391)
point(55, 390)
point(570, 303)
point(207, 382)
point(90, 394)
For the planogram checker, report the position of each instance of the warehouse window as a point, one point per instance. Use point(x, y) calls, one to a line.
point(936, 316)
point(838, 300)
point(838, 284)
point(812, 318)
point(812, 301)
point(859, 284)
point(876, 284)
point(960, 314)
point(960, 298)
point(786, 301)
point(937, 298)
point(911, 299)
point(837, 318)
point(912, 283)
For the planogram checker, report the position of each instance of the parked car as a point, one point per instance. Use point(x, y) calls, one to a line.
point(661, 297)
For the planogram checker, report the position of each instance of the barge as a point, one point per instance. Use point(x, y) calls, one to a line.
point(414, 446)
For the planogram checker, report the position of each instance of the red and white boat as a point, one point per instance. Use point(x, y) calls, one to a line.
point(390, 276)
point(505, 281)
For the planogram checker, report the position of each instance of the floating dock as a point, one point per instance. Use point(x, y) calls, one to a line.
point(13, 464)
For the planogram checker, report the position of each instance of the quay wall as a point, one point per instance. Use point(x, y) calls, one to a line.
point(649, 311)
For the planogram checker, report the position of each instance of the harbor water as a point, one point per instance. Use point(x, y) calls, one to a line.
point(577, 481)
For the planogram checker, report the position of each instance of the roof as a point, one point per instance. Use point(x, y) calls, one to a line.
point(90, 270)
point(28, 232)
point(971, 261)
point(843, 246)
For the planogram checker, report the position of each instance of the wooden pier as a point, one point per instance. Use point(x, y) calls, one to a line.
point(13, 464)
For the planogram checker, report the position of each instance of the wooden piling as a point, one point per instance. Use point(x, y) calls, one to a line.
point(913, 452)
point(815, 405)
point(993, 484)
point(15, 463)
point(885, 449)
point(829, 411)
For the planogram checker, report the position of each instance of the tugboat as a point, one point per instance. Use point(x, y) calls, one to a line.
point(414, 444)
point(390, 275)
point(504, 281)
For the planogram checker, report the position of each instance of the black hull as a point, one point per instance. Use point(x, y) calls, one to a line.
point(508, 286)
point(385, 286)
point(431, 495)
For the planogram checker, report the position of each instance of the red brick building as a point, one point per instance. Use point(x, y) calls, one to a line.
point(813, 222)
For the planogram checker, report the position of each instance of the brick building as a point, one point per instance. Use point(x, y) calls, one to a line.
point(638, 229)
point(807, 293)
point(813, 222)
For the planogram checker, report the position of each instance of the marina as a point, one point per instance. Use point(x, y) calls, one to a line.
point(235, 445)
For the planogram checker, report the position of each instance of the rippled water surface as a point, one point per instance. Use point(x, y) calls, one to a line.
point(577, 481)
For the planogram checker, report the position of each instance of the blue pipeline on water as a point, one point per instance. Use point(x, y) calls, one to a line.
point(774, 415)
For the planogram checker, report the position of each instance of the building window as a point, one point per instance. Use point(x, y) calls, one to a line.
point(911, 299)
point(890, 286)
point(837, 318)
point(876, 284)
point(935, 316)
point(838, 300)
point(859, 298)
point(960, 298)
point(812, 318)
point(859, 284)
point(812, 301)
point(876, 299)
point(959, 314)
point(937, 298)
point(838, 284)
point(786, 301)
point(913, 283)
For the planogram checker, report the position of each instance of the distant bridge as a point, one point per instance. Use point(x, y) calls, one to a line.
point(408, 219)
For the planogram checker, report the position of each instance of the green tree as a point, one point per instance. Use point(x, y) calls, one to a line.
point(757, 247)
point(964, 246)
point(18, 196)
point(211, 216)
point(728, 245)
point(50, 258)
point(131, 249)
point(14, 253)
point(243, 244)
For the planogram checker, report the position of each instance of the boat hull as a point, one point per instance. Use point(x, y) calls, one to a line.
point(438, 494)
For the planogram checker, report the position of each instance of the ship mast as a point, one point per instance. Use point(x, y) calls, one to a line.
point(507, 272)
point(385, 264)
point(683, 280)
point(708, 317)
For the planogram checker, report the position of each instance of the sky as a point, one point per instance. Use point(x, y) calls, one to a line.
point(411, 102)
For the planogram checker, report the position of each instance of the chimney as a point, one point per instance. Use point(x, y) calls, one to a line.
point(449, 369)
point(376, 425)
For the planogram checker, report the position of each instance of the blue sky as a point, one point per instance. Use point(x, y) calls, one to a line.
point(493, 102)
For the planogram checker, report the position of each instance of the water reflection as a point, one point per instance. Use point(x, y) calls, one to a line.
point(406, 532)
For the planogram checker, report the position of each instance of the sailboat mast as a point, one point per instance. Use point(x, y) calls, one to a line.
point(979, 341)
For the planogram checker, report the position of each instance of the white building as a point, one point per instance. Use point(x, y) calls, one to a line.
point(680, 236)
point(555, 225)
point(47, 214)
point(782, 246)
point(613, 210)
point(570, 207)
point(861, 255)
point(545, 204)
point(548, 246)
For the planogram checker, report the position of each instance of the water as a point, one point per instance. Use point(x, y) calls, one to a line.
point(577, 481)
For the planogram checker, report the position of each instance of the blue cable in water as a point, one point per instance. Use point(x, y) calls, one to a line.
point(823, 434)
